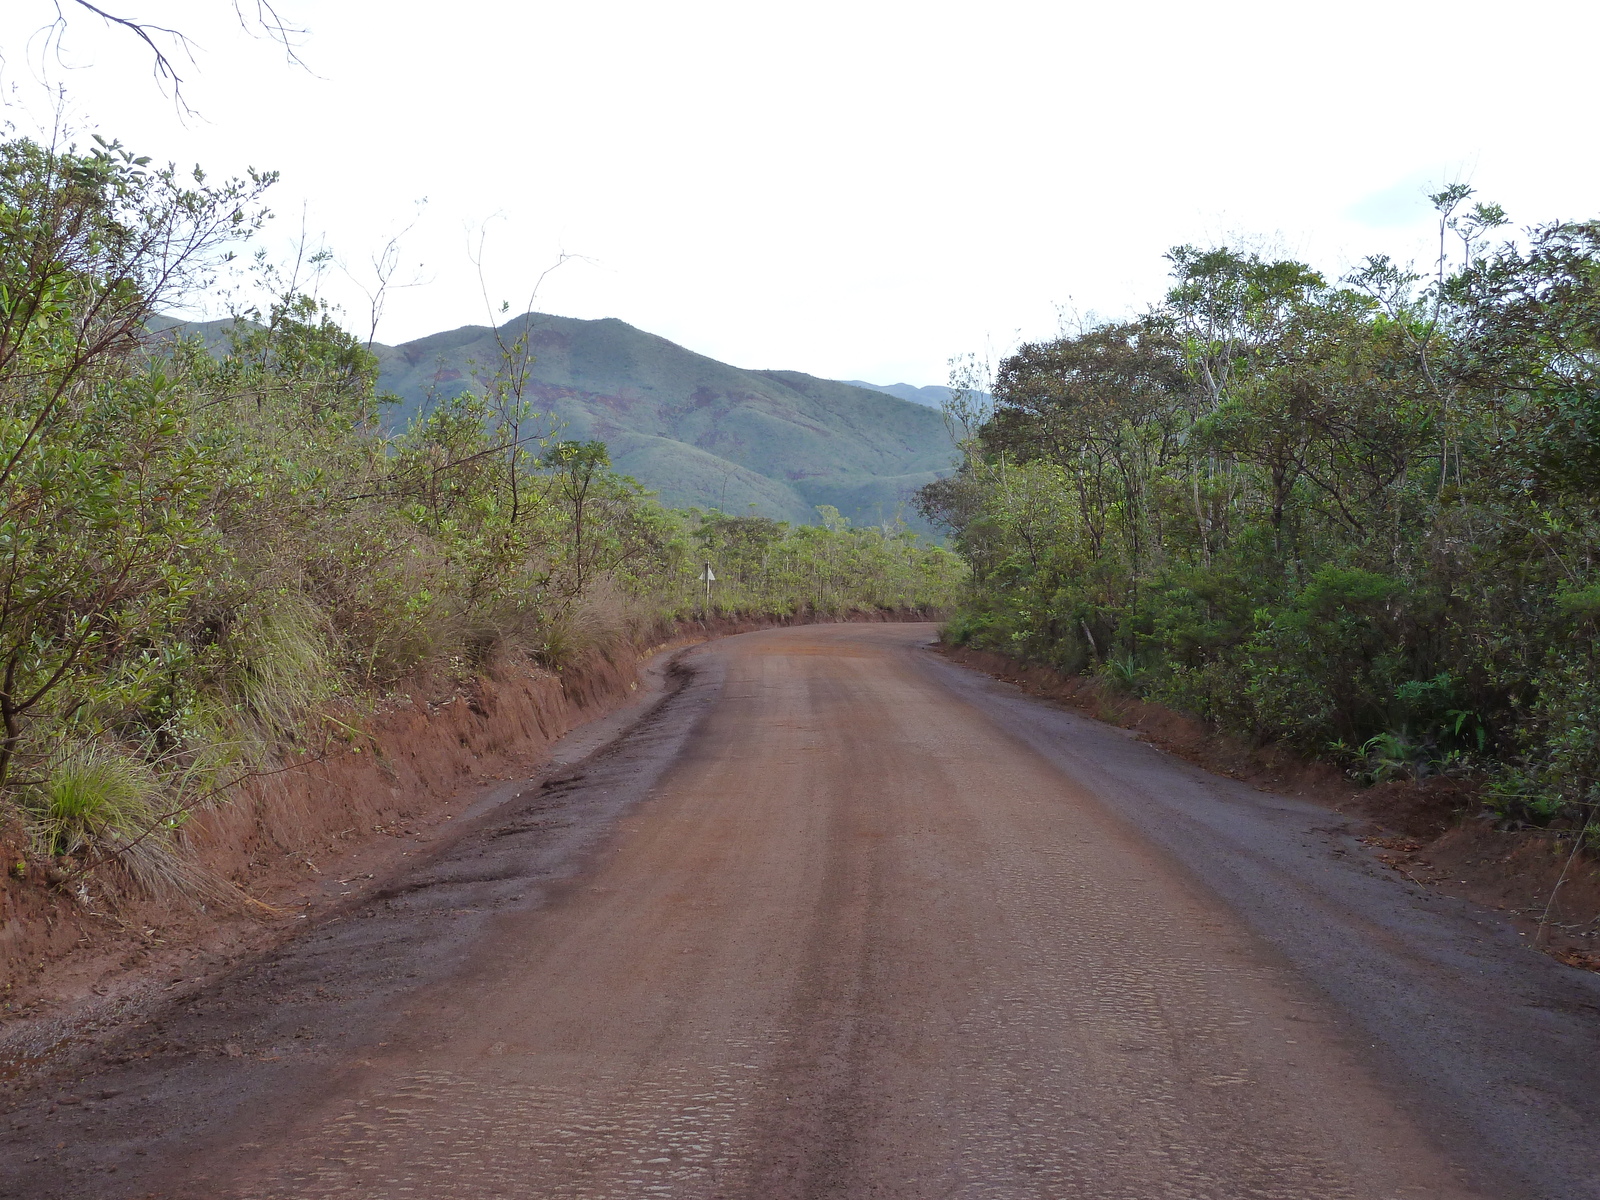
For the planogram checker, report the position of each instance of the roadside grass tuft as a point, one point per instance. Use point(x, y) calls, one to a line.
point(93, 798)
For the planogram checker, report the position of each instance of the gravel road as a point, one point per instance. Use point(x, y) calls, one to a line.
point(838, 918)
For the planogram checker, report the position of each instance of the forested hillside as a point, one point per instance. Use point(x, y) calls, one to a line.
point(696, 431)
point(1360, 516)
point(210, 550)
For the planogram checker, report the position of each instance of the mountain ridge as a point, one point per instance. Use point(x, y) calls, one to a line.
point(698, 431)
point(932, 396)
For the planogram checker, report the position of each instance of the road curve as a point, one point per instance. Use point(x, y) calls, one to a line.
point(841, 919)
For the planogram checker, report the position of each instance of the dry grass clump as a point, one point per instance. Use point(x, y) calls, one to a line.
point(106, 814)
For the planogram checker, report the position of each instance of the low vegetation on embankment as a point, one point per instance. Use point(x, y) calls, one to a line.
point(1355, 518)
point(213, 562)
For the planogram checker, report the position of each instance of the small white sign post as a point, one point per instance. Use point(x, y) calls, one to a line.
point(709, 578)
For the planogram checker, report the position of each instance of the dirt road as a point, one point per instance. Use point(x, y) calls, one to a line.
point(841, 919)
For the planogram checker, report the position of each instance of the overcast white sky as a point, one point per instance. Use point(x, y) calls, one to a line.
point(859, 190)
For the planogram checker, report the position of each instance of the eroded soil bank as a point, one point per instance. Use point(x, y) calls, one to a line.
point(370, 797)
point(1430, 832)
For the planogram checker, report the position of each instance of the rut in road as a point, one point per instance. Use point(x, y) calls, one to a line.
point(844, 920)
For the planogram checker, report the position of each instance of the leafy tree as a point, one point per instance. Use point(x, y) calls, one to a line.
point(101, 495)
point(1358, 517)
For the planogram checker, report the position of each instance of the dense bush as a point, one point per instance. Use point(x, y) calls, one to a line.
point(1361, 518)
point(201, 548)
point(769, 567)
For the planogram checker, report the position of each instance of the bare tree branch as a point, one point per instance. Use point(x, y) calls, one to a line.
point(168, 46)
point(163, 67)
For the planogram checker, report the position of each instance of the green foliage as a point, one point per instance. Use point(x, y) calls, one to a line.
point(770, 567)
point(1124, 672)
point(93, 797)
point(1361, 518)
point(102, 493)
point(1387, 756)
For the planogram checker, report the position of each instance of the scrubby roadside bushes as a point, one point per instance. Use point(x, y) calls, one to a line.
point(1359, 517)
point(203, 549)
point(765, 566)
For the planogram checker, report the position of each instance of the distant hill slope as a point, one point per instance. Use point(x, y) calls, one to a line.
point(698, 431)
point(933, 397)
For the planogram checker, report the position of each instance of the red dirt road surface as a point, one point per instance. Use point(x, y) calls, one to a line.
point(841, 919)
